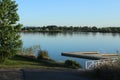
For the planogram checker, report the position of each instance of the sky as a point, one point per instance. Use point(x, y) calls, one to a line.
point(100, 13)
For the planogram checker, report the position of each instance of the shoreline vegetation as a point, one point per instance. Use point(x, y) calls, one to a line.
point(26, 58)
point(56, 29)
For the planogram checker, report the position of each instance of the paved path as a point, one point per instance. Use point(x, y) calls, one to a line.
point(45, 74)
point(11, 74)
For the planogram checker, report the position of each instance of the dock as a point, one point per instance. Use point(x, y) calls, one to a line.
point(90, 55)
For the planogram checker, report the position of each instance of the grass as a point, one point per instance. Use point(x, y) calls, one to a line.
point(27, 59)
point(19, 62)
point(23, 61)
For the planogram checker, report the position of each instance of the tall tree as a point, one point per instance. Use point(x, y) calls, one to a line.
point(10, 40)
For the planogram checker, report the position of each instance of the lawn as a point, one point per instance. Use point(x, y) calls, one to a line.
point(25, 62)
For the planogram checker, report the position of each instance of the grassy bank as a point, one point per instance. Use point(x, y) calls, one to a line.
point(20, 61)
point(26, 58)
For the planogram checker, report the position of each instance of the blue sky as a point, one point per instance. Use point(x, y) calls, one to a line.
point(101, 13)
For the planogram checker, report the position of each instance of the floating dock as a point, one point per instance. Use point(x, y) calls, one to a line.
point(90, 55)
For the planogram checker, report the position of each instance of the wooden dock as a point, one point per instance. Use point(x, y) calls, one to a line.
point(90, 55)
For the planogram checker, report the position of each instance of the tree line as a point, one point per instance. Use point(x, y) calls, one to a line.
point(54, 28)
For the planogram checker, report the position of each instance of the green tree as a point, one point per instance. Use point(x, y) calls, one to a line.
point(94, 28)
point(10, 40)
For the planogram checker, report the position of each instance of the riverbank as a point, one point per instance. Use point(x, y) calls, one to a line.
point(23, 61)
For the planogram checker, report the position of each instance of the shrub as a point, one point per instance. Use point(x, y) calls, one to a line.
point(29, 52)
point(107, 72)
point(72, 64)
point(42, 54)
point(118, 60)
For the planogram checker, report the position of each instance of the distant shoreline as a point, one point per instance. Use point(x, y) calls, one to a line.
point(56, 29)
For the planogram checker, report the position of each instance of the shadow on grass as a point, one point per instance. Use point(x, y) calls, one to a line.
point(23, 61)
point(47, 63)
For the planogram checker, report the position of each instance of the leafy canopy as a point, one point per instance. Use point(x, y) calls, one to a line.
point(10, 40)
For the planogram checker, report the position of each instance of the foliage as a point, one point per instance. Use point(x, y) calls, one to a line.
point(118, 60)
point(107, 72)
point(42, 54)
point(29, 51)
point(54, 28)
point(72, 64)
point(10, 40)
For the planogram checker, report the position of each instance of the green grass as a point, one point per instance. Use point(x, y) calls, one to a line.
point(26, 58)
point(19, 62)
point(26, 62)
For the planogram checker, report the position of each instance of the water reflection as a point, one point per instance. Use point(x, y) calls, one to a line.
point(54, 34)
point(110, 34)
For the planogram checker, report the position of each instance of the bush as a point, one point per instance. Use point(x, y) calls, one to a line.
point(107, 72)
point(42, 54)
point(118, 60)
point(29, 51)
point(72, 64)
